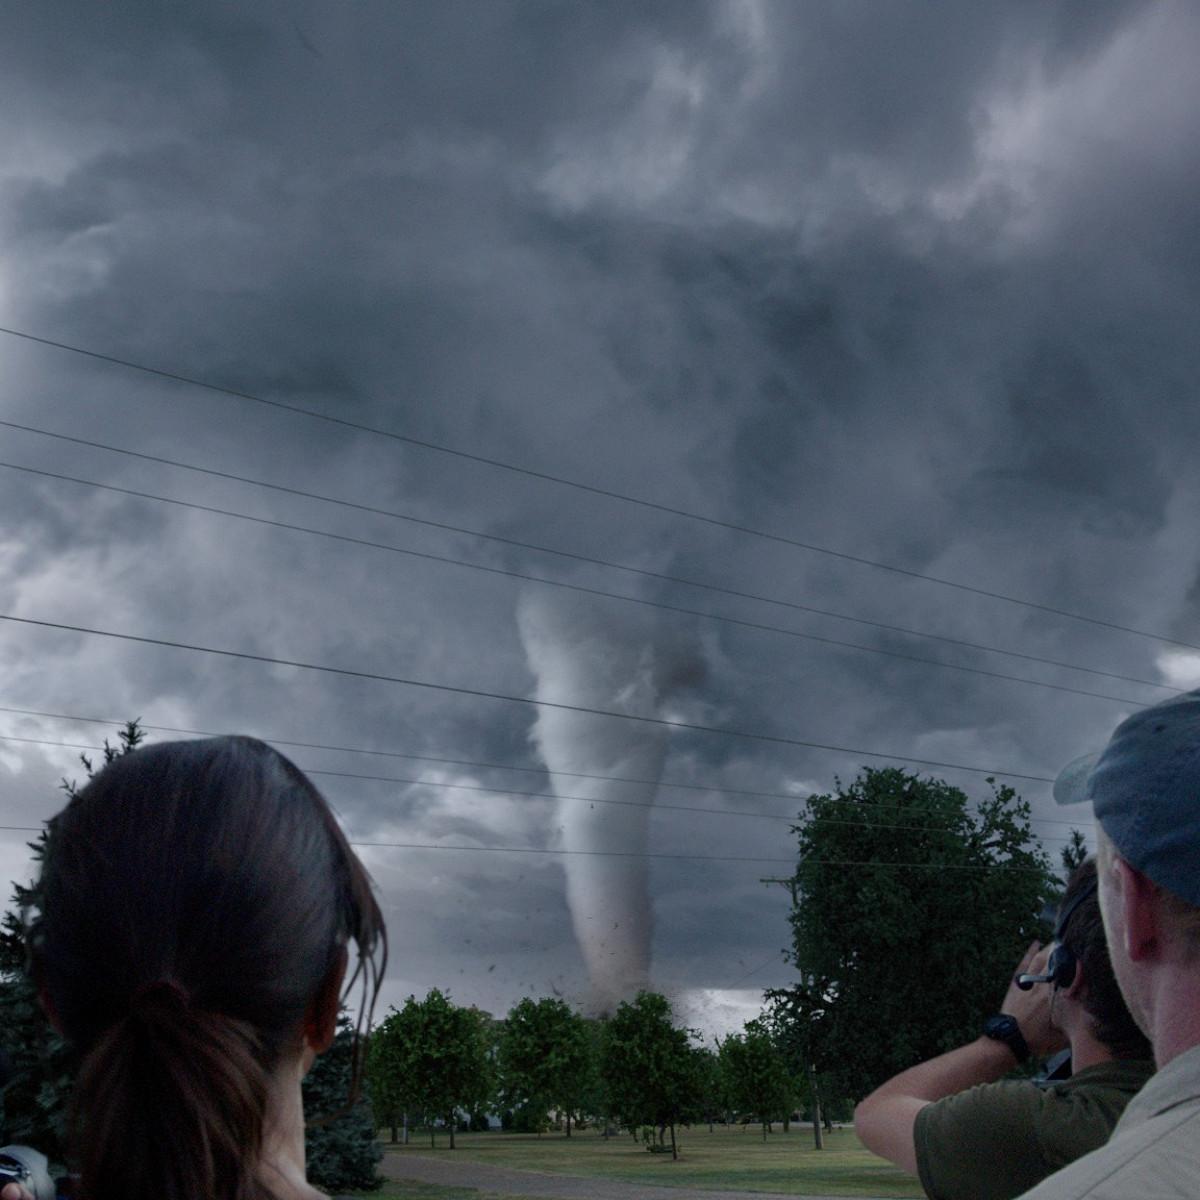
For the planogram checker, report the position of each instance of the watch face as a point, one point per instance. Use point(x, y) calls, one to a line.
point(1000, 1027)
point(1004, 1028)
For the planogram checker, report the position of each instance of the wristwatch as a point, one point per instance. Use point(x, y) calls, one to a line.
point(1003, 1028)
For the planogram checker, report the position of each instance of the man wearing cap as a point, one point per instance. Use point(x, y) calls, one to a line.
point(1145, 792)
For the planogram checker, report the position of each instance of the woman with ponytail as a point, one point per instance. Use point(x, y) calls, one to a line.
point(199, 901)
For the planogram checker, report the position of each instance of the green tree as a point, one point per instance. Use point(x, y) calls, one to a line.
point(817, 1092)
point(650, 1069)
point(912, 907)
point(340, 1145)
point(756, 1075)
point(385, 1080)
point(544, 1058)
point(35, 1099)
point(1074, 852)
point(596, 1099)
point(712, 1094)
point(435, 1056)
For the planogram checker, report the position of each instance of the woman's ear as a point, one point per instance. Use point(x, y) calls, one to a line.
point(320, 1022)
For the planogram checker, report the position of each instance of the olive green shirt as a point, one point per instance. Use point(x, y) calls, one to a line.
point(1154, 1152)
point(998, 1140)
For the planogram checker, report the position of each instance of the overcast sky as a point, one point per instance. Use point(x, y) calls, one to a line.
point(626, 338)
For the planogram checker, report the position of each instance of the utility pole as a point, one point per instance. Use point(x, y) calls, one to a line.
point(818, 1136)
point(789, 883)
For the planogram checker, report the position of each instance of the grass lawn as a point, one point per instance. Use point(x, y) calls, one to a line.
point(410, 1189)
point(735, 1158)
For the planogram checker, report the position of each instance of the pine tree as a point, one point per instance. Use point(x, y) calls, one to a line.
point(35, 1098)
point(1074, 852)
point(340, 1145)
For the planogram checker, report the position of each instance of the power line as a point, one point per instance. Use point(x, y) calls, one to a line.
point(521, 850)
point(580, 588)
point(933, 822)
point(556, 851)
point(568, 853)
point(591, 561)
point(752, 971)
point(669, 510)
point(506, 791)
point(246, 656)
point(32, 741)
point(650, 806)
point(457, 762)
point(823, 862)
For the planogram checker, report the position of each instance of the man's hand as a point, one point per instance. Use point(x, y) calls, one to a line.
point(1033, 1008)
point(14, 1191)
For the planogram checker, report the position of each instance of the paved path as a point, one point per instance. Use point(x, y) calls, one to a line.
point(454, 1172)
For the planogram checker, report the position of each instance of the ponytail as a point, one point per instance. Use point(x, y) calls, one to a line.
point(170, 1103)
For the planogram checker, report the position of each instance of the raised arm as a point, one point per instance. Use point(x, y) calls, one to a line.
point(884, 1120)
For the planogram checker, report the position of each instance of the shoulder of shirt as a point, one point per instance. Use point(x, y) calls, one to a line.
point(1122, 1074)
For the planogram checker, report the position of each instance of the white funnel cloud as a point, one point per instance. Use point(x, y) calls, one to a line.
point(581, 656)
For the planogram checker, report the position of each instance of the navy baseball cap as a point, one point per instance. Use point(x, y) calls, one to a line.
point(1145, 791)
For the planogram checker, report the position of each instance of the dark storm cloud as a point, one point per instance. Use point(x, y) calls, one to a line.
point(915, 284)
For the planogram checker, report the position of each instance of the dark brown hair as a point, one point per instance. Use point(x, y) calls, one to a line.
point(197, 896)
point(1084, 936)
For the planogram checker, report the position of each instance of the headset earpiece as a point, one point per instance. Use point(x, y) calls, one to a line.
point(1062, 965)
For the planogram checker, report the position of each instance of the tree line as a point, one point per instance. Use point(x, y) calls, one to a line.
point(434, 1064)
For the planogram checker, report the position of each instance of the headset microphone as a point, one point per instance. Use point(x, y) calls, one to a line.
point(1060, 970)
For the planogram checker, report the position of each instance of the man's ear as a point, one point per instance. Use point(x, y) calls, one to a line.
point(320, 1022)
point(1078, 986)
point(1139, 900)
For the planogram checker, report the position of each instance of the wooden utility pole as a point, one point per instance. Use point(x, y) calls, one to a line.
point(818, 1136)
point(789, 883)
